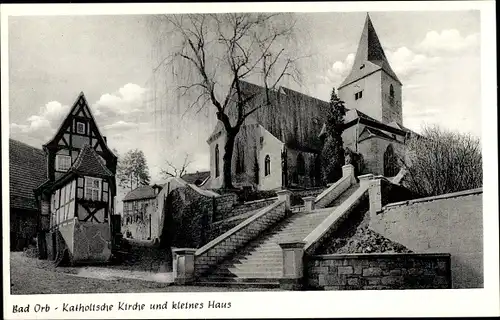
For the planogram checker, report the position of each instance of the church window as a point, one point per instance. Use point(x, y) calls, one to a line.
point(301, 167)
point(358, 95)
point(391, 91)
point(63, 163)
point(267, 165)
point(390, 162)
point(92, 188)
point(217, 172)
point(240, 160)
point(80, 127)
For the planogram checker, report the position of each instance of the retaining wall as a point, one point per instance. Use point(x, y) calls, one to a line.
point(378, 271)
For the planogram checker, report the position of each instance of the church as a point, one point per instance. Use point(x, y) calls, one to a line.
point(279, 145)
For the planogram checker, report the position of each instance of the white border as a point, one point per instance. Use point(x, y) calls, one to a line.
point(477, 302)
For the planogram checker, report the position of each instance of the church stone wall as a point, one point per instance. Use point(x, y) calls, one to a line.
point(271, 146)
point(371, 101)
point(391, 107)
point(373, 153)
point(216, 182)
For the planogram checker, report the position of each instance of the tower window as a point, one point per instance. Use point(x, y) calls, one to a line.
point(358, 95)
point(80, 127)
point(391, 91)
point(267, 165)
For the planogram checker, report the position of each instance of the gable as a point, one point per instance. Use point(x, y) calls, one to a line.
point(78, 129)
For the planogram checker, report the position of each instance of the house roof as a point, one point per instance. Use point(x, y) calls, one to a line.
point(89, 163)
point(27, 170)
point(370, 56)
point(196, 176)
point(140, 193)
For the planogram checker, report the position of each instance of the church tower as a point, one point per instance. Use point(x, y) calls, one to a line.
point(372, 87)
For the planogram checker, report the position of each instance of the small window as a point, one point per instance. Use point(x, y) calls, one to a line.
point(358, 95)
point(63, 163)
point(267, 165)
point(80, 128)
point(92, 189)
point(391, 91)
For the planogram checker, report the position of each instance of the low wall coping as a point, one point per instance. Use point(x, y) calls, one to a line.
point(237, 228)
point(180, 251)
point(433, 198)
point(378, 256)
point(257, 201)
point(292, 244)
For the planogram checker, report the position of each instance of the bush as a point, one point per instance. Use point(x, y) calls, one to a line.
point(441, 161)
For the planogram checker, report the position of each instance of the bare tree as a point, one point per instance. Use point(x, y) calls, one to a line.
point(218, 48)
point(442, 161)
point(175, 171)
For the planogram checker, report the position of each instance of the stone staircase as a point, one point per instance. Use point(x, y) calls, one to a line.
point(260, 263)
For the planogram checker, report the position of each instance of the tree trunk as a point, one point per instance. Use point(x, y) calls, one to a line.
point(227, 158)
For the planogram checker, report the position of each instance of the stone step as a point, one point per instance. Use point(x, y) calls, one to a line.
point(244, 268)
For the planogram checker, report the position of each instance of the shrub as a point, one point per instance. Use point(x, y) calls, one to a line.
point(441, 161)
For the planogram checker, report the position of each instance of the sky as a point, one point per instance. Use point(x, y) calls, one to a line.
point(436, 55)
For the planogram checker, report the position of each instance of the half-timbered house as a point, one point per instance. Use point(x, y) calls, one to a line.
point(77, 200)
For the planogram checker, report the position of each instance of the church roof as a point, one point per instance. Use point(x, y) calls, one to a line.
point(370, 56)
point(26, 172)
point(293, 117)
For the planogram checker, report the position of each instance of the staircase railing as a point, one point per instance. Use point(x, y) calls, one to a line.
point(336, 189)
point(189, 263)
point(331, 223)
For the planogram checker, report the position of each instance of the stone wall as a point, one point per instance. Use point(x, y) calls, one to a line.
point(450, 223)
point(378, 271)
point(220, 248)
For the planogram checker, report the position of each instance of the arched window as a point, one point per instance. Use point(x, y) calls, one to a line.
point(301, 166)
point(240, 159)
point(391, 91)
point(217, 172)
point(390, 162)
point(267, 165)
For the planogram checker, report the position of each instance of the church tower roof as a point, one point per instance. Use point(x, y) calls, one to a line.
point(370, 56)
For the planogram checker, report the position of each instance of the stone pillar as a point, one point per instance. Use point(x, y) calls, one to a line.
point(309, 203)
point(293, 265)
point(364, 180)
point(285, 195)
point(375, 195)
point(183, 265)
point(348, 170)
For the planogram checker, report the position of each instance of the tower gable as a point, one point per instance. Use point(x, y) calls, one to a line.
point(78, 129)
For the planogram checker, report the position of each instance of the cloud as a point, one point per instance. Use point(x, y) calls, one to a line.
point(43, 124)
point(406, 62)
point(339, 70)
point(126, 100)
point(121, 125)
point(448, 41)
